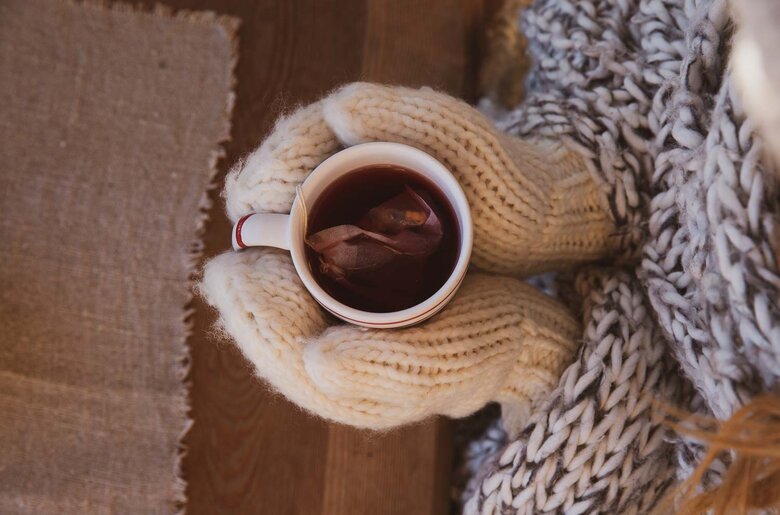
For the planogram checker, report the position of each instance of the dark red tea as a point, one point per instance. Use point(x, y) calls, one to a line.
point(408, 278)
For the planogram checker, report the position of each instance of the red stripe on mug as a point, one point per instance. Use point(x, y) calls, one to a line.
point(239, 225)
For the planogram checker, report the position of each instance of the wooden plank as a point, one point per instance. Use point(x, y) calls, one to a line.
point(417, 44)
point(406, 471)
point(249, 450)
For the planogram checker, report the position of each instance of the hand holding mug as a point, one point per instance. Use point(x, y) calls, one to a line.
point(533, 206)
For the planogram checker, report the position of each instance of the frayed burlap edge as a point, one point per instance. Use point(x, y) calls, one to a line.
point(194, 254)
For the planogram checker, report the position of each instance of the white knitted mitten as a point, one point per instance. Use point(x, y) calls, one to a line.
point(534, 207)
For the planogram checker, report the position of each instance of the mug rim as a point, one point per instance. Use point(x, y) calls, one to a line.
point(385, 153)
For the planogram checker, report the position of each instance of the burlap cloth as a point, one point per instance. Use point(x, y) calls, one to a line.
point(109, 133)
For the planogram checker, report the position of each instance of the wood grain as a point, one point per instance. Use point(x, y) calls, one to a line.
point(249, 450)
point(403, 471)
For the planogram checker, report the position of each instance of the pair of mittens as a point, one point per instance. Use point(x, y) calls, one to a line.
point(535, 208)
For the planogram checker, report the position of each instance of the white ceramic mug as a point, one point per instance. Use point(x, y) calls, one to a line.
point(286, 231)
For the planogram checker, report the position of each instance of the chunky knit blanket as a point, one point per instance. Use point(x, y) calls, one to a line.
point(642, 89)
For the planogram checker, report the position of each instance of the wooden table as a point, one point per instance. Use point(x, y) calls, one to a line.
point(249, 450)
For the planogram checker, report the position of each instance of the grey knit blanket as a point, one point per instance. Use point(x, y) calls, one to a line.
point(642, 88)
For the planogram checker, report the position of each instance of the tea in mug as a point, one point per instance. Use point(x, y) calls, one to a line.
point(382, 238)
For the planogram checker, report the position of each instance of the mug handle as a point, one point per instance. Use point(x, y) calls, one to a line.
point(262, 230)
